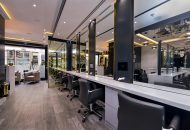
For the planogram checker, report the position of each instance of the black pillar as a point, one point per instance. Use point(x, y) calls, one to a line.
point(2, 49)
point(69, 56)
point(124, 38)
point(56, 57)
point(92, 47)
point(159, 63)
point(46, 62)
point(78, 52)
point(167, 59)
point(110, 58)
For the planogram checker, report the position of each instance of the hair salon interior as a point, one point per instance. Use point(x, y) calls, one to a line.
point(95, 64)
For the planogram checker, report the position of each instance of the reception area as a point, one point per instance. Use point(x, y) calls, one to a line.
point(101, 65)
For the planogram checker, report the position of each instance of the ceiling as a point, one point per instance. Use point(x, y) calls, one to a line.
point(29, 22)
point(70, 23)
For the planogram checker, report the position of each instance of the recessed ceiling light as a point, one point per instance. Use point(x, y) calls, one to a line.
point(64, 22)
point(34, 5)
point(90, 20)
point(188, 37)
point(135, 22)
point(112, 32)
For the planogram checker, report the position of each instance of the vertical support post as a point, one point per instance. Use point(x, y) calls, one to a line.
point(56, 55)
point(110, 57)
point(69, 55)
point(46, 62)
point(167, 59)
point(92, 47)
point(159, 63)
point(78, 52)
point(124, 40)
point(2, 49)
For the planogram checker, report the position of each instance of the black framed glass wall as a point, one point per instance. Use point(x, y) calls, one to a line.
point(57, 54)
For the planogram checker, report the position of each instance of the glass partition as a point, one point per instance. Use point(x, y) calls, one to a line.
point(83, 58)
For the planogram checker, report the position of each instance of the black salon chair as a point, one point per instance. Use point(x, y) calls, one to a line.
point(89, 94)
point(58, 77)
point(73, 87)
point(64, 82)
point(134, 114)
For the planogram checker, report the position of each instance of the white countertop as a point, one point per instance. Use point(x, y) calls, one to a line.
point(171, 96)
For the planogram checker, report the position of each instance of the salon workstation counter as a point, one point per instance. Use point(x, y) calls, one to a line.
point(174, 97)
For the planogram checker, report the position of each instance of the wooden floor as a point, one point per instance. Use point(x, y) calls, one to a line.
point(35, 107)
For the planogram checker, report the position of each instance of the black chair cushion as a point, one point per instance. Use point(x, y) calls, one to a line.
point(134, 114)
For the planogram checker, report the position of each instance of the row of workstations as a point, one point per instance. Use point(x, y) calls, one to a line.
point(141, 104)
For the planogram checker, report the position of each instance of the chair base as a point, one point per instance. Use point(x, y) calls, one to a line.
point(73, 95)
point(89, 111)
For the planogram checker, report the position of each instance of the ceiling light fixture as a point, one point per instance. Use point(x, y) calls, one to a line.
point(111, 40)
point(135, 22)
point(22, 39)
point(112, 32)
point(90, 20)
point(138, 44)
point(48, 33)
point(174, 40)
point(154, 47)
point(188, 33)
point(34, 5)
point(147, 38)
point(5, 10)
point(64, 22)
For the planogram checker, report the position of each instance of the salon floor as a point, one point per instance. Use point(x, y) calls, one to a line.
point(35, 107)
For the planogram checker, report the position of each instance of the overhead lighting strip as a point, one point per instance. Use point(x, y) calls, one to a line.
point(147, 38)
point(5, 10)
point(23, 40)
point(135, 43)
point(138, 44)
point(48, 33)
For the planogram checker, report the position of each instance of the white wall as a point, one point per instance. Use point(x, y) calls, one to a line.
point(148, 59)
